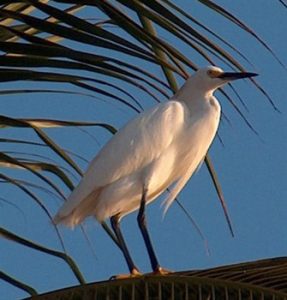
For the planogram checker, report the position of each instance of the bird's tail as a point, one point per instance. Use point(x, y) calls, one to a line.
point(74, 215)
point(65, 220)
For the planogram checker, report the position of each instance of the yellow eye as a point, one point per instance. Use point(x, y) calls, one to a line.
point(213, 73)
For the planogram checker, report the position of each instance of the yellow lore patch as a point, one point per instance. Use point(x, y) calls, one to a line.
point(214, 73)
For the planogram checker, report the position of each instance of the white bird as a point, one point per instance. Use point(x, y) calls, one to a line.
point(162, 146)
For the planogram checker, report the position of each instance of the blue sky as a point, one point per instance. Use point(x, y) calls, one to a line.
point(252, 171)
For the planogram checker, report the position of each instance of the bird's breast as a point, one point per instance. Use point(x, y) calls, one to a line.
point(196, 138)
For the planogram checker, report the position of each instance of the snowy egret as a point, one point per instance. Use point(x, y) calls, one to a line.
point(161, 147)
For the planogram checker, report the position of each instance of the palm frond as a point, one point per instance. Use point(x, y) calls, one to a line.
point(263, 279)
point(22, 241)
point(48, 42)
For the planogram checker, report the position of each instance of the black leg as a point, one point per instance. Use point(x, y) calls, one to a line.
point(142, 225)
point(115, 223)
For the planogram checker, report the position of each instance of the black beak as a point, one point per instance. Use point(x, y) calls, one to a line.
point(234, 76)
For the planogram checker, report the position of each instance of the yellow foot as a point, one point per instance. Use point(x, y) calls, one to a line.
point(160, 271)
point(134, 273)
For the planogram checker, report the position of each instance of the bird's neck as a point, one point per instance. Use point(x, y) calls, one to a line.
point(195, 99)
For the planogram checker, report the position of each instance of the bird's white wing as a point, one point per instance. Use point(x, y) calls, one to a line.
point(132, 148)
point(178, 187)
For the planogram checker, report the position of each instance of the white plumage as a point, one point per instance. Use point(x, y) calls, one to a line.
point(159, 148)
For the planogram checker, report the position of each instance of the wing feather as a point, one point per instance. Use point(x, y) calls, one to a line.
point(179, 186)
point(130, 150)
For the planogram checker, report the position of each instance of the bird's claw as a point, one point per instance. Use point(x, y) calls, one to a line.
point(162, 271)
point(134, 273)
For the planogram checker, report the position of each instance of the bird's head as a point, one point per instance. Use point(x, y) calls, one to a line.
point(211, 78)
